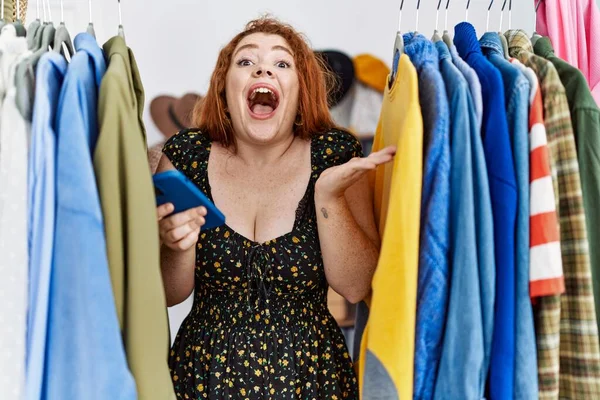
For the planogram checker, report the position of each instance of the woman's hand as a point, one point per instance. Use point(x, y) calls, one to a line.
point(180, 231)
point(334, 181)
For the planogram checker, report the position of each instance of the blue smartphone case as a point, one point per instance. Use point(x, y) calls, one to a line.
point(174, 187)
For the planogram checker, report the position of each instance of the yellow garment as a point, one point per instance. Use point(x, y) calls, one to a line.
point(371, 71)
point(389, 335)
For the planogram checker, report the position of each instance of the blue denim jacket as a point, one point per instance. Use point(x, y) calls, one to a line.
point(50, 72)
point(517, 89)
point(462, 370)
point(503, 190)
point(85, 354)
point(433, 284)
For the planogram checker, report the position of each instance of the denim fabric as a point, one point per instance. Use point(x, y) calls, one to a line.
point(474, 84)
point(503, 190)
point(85, 354)
point(41, 184)
point(461, 372)
point(433, 283)
point(517, 89)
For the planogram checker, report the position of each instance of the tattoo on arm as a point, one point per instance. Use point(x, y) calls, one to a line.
point(324, 212)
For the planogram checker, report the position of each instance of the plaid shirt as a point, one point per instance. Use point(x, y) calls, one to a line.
point(567, 334)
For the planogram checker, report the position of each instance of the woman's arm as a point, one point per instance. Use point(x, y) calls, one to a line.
point(178, 234)
point(349, 239)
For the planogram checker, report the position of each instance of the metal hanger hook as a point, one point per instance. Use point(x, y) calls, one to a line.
point(487, 23)
point(446, 16)
point(502, 15)
point(467, 11)
point(62, 12)
point(400, 16)
point(90, 9)
point(120, 15)
point(417, 22)
point(437, 15)
point(49, 11)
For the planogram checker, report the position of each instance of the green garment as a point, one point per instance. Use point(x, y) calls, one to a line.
point(129, 208)
point(585, 117)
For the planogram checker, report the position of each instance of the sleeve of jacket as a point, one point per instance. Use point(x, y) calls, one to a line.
point(127, 196)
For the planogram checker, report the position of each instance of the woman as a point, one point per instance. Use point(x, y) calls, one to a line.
point(299, 218)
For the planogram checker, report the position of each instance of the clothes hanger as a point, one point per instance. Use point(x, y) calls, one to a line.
point(487, 22)
point(47, 33)
point(467, 11)
point(417, 22)
point(90, 27)
point(18, 24)
point(536, 36)
point(121, 30)
point(34, 26)
point(501, 35)
point(436, 35)
point(62, 39)
point(398, 46)
point(446, 36)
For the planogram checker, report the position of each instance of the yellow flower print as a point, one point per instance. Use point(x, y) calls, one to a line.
point(201, 388)
point(226, 235)
point(295, 239)
point(328, 151)
point(243, 391)
point(294, 269)
point(257, 372)
point(195, 164)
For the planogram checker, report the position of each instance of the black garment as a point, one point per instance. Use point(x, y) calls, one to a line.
point(259, 327)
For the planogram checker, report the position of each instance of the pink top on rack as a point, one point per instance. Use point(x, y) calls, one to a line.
point(574, 28)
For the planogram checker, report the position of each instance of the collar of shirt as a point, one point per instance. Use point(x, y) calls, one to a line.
point(443, 51)
point(518, 39)
point(544, 48)
point(465, 40)
point(87, 43)
point(420, 50)
point(491, 44)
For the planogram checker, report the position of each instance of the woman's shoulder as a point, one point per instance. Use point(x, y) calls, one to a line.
point(335, 147)
point(187, 146)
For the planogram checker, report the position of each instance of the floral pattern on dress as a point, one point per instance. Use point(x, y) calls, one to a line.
point(259, 326)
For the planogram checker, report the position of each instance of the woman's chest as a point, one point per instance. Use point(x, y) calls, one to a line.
point(289, 264)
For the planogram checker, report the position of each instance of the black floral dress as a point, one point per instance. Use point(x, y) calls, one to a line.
point(259, 326)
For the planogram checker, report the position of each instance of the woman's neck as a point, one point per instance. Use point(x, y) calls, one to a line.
point(263, 155)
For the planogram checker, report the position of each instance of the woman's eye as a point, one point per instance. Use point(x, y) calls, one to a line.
point(283, 64)
point(245, 63)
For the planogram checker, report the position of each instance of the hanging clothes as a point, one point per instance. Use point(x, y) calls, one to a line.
point(80, 279)
point(129, 208)
point(461, 372)
point(474, 84)
point(517, 90)
point(574, 28)
point(50, 73)
point(503, 191)
point(434, 262)
point(578, 354)
point(386, 359)
point(14, 262)
point(585, 117)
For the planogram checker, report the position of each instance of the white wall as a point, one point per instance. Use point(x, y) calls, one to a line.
point(176, 42)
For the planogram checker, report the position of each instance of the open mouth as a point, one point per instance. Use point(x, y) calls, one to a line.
point(262, 101)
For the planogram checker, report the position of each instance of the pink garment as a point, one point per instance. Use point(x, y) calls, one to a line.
point(573, 26)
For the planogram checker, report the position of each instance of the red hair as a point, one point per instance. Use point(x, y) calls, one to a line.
point(313, 112)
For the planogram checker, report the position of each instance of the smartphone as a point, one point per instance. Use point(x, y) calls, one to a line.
point(174, 187)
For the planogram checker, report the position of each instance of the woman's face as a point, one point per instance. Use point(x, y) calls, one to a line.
point(262, 88)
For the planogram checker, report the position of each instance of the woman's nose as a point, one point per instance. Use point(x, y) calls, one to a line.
point(263, 71)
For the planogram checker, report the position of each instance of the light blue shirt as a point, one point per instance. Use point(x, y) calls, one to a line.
point(434, 258)
point(516, 89)
point(474, 84)
point(85, 356)
point(463, 364)
point(50, 72)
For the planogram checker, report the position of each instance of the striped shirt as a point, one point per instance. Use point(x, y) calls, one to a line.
point(545, 263)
